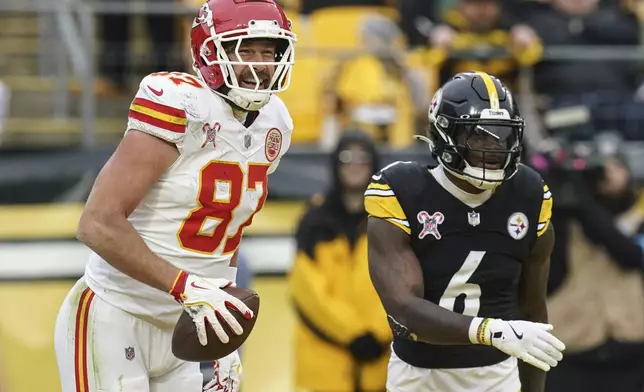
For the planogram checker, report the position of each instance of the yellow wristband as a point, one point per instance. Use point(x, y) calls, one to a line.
point(481, 334)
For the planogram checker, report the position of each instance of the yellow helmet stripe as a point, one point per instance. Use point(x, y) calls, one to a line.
point(491, 90)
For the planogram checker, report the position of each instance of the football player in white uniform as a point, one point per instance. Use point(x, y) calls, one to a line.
point(167, 212)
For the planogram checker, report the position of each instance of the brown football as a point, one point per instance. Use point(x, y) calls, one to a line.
point(185, 343)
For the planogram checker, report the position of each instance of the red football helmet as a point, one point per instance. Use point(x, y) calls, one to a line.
point(229, 22)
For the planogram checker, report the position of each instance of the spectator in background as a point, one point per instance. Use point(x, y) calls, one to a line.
point(342, 337)
point(487, 41)
point(376, 91)
point(417, 18)
point(114, 31)
point(596, 284)
point(605, 86)
point(584, 23)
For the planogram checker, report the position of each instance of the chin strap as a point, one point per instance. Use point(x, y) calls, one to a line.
point(477, 183)
point(248, 101)
point(423, 138)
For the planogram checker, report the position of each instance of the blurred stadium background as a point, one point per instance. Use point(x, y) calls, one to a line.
point(69, 69)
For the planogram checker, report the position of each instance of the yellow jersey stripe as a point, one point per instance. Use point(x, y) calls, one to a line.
point(399, 225)
point(544, 216)
point(384, 187)
point(384, 207)
point(492, 94)
point(543, 230)
point(158, 115)
point(546, 192)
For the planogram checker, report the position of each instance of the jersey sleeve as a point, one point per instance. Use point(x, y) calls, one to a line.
point(286, 122)
point(157, 110)
point(286, 144)
point(381, 202)
point(546, 211)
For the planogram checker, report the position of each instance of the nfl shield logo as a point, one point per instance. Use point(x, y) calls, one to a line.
point(247, 140)
point(129, 353)
point(473, 218)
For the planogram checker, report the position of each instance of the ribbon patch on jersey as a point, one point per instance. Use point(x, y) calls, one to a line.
point(211, 134)
point(129, 353)
point(518, 225)
point(430, 224)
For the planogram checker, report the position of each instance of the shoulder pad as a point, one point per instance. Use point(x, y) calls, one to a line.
point(528, 179)
point(398, 170)
point(278, 116)
point(381, 198)
point(531, 185)
point(161, 105)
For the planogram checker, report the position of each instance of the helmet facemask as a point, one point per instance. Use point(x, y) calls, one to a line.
point(484, 151)
point(220, 54)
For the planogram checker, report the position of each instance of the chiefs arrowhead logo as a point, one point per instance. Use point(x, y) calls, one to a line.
point(204, 16)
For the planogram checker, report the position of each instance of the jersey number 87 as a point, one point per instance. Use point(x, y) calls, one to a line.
point(190, 234)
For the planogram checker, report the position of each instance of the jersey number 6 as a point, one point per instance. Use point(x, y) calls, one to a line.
point(459, 287)
point(221, 210)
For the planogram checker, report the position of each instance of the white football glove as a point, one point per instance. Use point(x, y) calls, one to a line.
point(531, 342)
point(204, 300)
point(227, 374)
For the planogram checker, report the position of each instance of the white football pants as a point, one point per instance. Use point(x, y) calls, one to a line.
point(500, 377)
point(101, 348)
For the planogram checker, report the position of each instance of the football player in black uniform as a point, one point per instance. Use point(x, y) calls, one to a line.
point(459, 253)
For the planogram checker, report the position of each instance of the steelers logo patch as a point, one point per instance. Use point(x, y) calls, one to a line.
point(518, 225)
point(436, 102)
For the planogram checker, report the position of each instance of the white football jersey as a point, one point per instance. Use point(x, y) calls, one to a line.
point(195, 215)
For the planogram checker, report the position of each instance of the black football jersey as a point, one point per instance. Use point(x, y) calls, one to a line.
point(471, 257)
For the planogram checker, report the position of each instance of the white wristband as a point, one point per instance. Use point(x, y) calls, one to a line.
point(232, 275)
point(474, 329)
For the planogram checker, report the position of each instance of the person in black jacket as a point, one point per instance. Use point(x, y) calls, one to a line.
point(342, 336)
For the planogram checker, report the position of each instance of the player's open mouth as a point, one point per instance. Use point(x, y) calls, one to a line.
point(490, 162)
point(492, 165)
point(252, 84)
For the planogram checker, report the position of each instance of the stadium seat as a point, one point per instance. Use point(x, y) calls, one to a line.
point(304, 98)
point(338, 27)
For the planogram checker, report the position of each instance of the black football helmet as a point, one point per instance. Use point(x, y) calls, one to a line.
point(475, 129)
